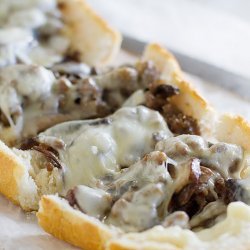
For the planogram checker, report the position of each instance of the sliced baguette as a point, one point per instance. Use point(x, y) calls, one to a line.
point(89, 34)
point(234, 229)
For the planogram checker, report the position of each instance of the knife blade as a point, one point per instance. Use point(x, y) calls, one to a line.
point(214, 74)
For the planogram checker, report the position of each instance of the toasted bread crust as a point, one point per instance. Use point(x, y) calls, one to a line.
point(10, 171)
point(76, 228)
point(15, 179)
point(234, 129)
point(189, 101)
point(89, 34)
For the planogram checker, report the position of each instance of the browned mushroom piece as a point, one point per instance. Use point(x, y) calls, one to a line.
point(209, 216)
point(147, 73)
point(237, 190)
point(159, 91)
point(196, 195)
point(49, 152)
point(82, 100)
point(157, 97)
point(224, 158)
point(178, 122)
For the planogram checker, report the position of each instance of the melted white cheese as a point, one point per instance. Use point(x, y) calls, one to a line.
point(93, 151)
point(94, 202)
point(142, 192)
point(29, 81)
point(13, 41)
point(19, 83)
point(140, 212)
point(211, 211)
point(137, 98)
point(15, 35)
point(23, 22)
point(27, 18)
point(227, 159)
point(44, 56)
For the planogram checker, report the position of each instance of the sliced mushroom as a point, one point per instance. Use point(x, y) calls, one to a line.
point(208, 216)
point(238, 190)
point(193, 197)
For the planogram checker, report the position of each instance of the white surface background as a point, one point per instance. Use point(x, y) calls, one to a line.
point(217, 31)
point(19, 231)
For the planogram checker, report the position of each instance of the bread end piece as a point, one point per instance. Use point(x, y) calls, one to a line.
point(89, 34)
point(58, 218)
point(9, 167)
point(15, 182)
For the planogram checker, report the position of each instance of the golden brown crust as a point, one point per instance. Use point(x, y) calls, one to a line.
point(15, 182)
point(163, 59)
point(89, 34)
point(189, 101)
point(59, 219)
point(9, 169)
point(233, 129)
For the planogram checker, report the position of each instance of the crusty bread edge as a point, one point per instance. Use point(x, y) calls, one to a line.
point(9, 168)
point(16, 183)
point(89, 34)
point(189, 101)
point(49, 209)
point(57, 217)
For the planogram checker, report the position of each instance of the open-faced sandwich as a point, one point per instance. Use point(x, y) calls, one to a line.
point(142, 161)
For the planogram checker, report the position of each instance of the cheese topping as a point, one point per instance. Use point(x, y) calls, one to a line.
point(98, 148)
point(225, 158)
point(34, 98)
point(152, 190)
point(13, 43)
point(22, 85)
point(33, 82)
point(94, 202)
point(24, 21)
point(118, 171)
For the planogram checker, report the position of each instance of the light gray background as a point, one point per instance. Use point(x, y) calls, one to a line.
point(217, 31)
